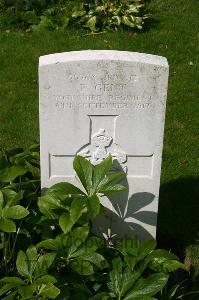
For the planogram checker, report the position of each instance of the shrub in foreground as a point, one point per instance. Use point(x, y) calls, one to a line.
point(60, 257)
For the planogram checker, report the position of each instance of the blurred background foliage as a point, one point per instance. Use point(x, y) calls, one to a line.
point(94, 15)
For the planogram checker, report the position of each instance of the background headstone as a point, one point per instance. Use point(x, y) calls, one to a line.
point(97, 102)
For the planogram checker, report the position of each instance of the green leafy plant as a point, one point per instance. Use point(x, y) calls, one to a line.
point(72, 207)
point(20, 169)
point(9, 210)
point(19, 190)
point(77, 250)
point(73, 202)
point(95, 16)
point(69, 261)
point(35, 282)
point(110, 15)
point(130, 278)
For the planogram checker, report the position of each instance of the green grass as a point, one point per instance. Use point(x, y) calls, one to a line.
point(173, 34)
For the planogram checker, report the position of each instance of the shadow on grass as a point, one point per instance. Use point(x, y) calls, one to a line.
point(178, 216)
point(150, 24)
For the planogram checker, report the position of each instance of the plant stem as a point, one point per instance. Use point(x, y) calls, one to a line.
point(17, 233)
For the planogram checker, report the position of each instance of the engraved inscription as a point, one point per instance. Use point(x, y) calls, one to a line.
point(64, 102)
point(91, 77)
point(108, 92)
point(113, 105)
point(98, 97)
point(110, 87)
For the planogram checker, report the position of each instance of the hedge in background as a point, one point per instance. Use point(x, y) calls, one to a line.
point(98, 15)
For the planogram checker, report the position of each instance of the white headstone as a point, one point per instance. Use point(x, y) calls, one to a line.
point(98, 102)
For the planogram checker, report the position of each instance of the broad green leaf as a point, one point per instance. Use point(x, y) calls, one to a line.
point(166, 266)
point(158, 257)
point(15, 199)
point(100, 296)
point(47, 204)
point(84, 170)
point(63, 189)
point(78, 237)
point(127, 22)
point(111, 189)
point(15, 280)
point(172, 265)
point(116, 20)
point(130, 246)
point(91, 23)
point(7, 287)
point(45, 279)
point(44, 24)
point(44, 263)
point(48, 244)
point(130, 261)
point(100, 171)
point(63, 241)
point(93, 205)
point(9, 197)
point(33, 170)
point(22, 264)
point(146, 247)
point(7, 225)
point(27, 291)
point(49, 291)
point(32, 257)
point(100, 8)
point(65, 222)
point(78, 13)
point(52, 201)
point(147, 287)
point(15, 212)
point(115, 284)
point(90, 246)
point(161, 255)
point(77, 208)
point(110, 179)
point(82, 267)
point(128, 280)
point(10, 174)
point(96, 259)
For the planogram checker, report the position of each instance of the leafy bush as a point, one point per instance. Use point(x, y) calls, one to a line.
point(96, 15)
point(110, 14)
point(60, 257)
point(19, 191)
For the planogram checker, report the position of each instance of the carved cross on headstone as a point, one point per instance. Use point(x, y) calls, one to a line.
point(100, 145)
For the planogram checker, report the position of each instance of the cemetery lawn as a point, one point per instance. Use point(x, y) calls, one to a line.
point(174, 34)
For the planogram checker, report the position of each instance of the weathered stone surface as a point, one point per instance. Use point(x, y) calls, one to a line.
point(98, 102)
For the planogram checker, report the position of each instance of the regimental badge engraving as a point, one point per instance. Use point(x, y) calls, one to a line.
point(102, 144)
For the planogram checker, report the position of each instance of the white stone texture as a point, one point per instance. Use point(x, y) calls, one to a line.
point(94, 103)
